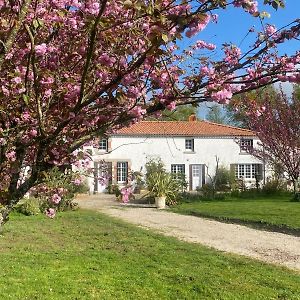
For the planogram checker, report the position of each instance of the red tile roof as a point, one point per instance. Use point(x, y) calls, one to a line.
point(183, 128)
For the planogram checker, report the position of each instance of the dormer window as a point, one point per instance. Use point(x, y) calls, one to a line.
point(246, 145)
point(189, 145)
point(103, 144)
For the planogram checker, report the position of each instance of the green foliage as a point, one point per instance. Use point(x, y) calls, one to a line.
point(164, 184)
point(216, 114)
point(64, 179)
point(187, 197)
point(221, 182)
point(208, 192)
point(224, 178)
point(81, 188)
point(59, 179)
point(273, 187)
point(181, 113)
point(296, 197)
point(114, 189)
point(29, 207)
point(180, 178)
point(160, 183)
point(154, 165)
point(65, 204)
point(137, 177)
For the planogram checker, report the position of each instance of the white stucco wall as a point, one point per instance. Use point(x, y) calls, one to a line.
point(136, 150)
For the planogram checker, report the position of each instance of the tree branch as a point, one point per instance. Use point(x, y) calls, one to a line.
point(8, 44)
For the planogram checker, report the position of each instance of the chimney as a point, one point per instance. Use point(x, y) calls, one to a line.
point(192, 118)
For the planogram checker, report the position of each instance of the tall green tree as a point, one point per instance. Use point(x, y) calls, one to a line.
point(181, 113)
point(217, 114)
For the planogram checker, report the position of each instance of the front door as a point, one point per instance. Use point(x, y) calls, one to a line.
point(102, 176)
point(196, 176)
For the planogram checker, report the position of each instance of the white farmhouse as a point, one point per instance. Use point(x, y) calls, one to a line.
point(189, 147)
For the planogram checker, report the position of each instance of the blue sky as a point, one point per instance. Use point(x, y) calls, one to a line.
point(233, 25)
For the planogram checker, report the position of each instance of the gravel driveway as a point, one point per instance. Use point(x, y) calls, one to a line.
point(267, 246)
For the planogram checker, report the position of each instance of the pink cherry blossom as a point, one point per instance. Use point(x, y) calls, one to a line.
point(55, 199)
point(50, 213)
point(11, 155)
point(41, 49)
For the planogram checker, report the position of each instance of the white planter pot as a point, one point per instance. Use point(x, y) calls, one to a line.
point(160, 202)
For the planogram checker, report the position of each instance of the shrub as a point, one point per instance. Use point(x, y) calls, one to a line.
point(296, 197)
point(273, 187)
point(164, 184)
point(223, 179)
point(114, 189)
point(190, 197)
point(81, 188)
point(29, 207)
point(180, 178)
point(207, 191)
point(67, 204)
point(154, 165)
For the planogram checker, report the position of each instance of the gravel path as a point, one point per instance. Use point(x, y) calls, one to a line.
point(267, 246)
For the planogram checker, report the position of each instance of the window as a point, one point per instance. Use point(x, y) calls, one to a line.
point(103, 144)
point(177, 169)
point(248, 171)
point(122, 171)
point(246, 144)
point(189, 144)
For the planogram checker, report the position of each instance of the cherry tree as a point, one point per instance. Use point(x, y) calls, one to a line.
point(277, 124)
point(74, 70)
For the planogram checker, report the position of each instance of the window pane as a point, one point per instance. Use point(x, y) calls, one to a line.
point(248, 171)
point(236, 169)
point(254, 170)
point(189, 144)
point(177, 169)
point(103, 144)
point(241, 171)
point(122, 171)
point(246, 144)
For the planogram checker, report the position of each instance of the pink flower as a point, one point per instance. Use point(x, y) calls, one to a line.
point(138, 112)
point(222, 96)
point(11, 155)
point(171, 106)
point(106, 60)
point(270, 29)
point(77, 181)
point(17, 80)
point(56, 199)
point(50, 212)
point(33, 133)
point(41, 49)
point(126, 192)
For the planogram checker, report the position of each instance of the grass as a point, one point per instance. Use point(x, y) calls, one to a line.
point(277, 213)
point(86, 255)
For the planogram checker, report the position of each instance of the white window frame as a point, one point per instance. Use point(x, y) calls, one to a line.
point(189, 145)
point(246, 171)
point(122, 171)
point(178, 168)
point(103, 144)
point(246, 144)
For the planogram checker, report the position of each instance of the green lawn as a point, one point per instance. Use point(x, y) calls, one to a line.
point(279, 213)
point(86, 255)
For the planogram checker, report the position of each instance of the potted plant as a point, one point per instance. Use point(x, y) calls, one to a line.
point(163, 187)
